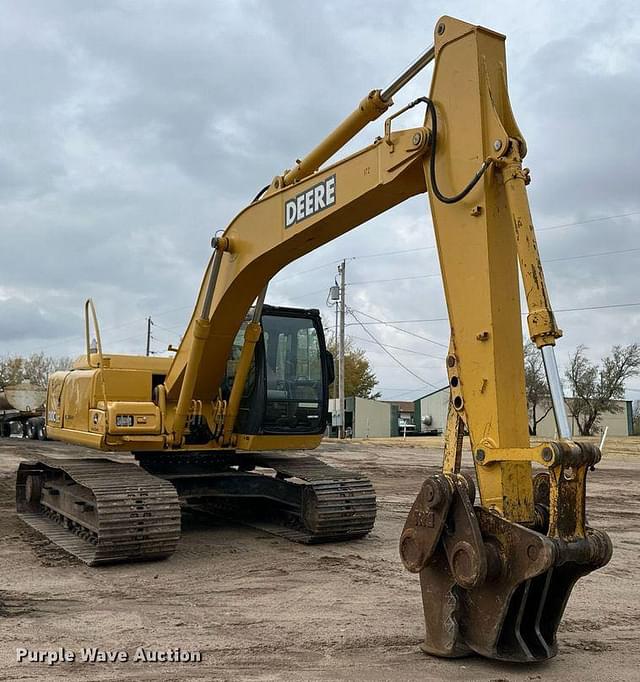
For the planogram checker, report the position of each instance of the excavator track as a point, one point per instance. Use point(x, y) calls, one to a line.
point(308, 501)
point(337, 504)
point(99, 510)
point(104, 511)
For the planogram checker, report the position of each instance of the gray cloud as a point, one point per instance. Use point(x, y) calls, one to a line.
point(24, 320)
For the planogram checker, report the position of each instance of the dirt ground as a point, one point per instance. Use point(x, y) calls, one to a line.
point(261, 608)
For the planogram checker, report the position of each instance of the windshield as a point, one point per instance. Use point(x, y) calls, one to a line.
point(293, 374)
point(286, 394)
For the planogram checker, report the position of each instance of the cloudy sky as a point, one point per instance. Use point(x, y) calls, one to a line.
point(131, 131)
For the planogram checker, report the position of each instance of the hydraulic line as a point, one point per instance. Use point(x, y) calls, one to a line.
point(432, 162)
point(259, 194)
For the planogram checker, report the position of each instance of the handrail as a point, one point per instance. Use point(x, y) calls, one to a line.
point(89, 306)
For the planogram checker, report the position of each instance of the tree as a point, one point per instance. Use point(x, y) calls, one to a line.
point(10, 371)
point(35, 369)
point(359, 379)
point(538, 402)
point(596, 387)
point(38, 367)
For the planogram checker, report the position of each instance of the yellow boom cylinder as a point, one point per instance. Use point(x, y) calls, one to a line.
point(371, 107)
point(251, 337)
point(183, 407)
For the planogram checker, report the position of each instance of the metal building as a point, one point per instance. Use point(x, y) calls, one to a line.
point(366, 418)
point(431, 417)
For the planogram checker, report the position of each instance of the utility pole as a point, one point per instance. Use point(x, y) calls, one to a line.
point(341, 271)
point(149, 323)
point(335, 336)
point(334, 299)
point(335, 295)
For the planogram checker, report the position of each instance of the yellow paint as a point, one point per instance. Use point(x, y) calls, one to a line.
point(266, 443)
point(89, 440)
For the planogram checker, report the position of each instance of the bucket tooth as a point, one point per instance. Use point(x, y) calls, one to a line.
point(441, 610)
point(523, 596)
point(546, 646)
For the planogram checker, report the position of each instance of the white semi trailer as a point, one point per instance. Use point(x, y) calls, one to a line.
point(22, 411)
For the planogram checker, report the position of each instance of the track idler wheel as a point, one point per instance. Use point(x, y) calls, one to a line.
point(33, 489)
point(490, 586)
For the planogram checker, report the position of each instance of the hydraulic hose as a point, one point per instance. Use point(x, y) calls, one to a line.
point(432, 163)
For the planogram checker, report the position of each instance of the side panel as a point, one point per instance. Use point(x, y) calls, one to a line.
point(123, 384)
point(88, 440)
point(55, 389)
point(266, 443)
point(77, 394)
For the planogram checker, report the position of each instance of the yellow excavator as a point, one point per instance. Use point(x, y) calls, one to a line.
point(210, 425)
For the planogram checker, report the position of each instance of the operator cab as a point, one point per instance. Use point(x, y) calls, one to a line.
point(286, 391)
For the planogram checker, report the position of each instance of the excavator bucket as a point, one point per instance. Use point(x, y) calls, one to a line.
point(494, 587)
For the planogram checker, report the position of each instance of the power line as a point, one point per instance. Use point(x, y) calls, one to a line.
point(65, 339)
point(393, 279)
point(409, 391)
point(409, 394)
point(524, 314)
point(390, 324)
point(393, 357)
point(586, 222)
point(437, 274)
point(360, 257)
point(406, 350)
point(304, 272)
point(167, 329)
point(308, 293)
point(126, 338)
point(590, 255)
point(595, 307)
point(431, 319)
point(395, 253)
point(162, 339)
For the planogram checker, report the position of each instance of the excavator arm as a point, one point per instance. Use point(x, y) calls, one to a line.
point(495, 578)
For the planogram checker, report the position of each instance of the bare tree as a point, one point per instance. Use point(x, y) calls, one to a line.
point(597, 387)
point(538, 402)
point(35, 369)
point(11, 371)
point(38, 367)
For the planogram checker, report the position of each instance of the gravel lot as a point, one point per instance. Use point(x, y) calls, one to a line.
point(259, 607)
